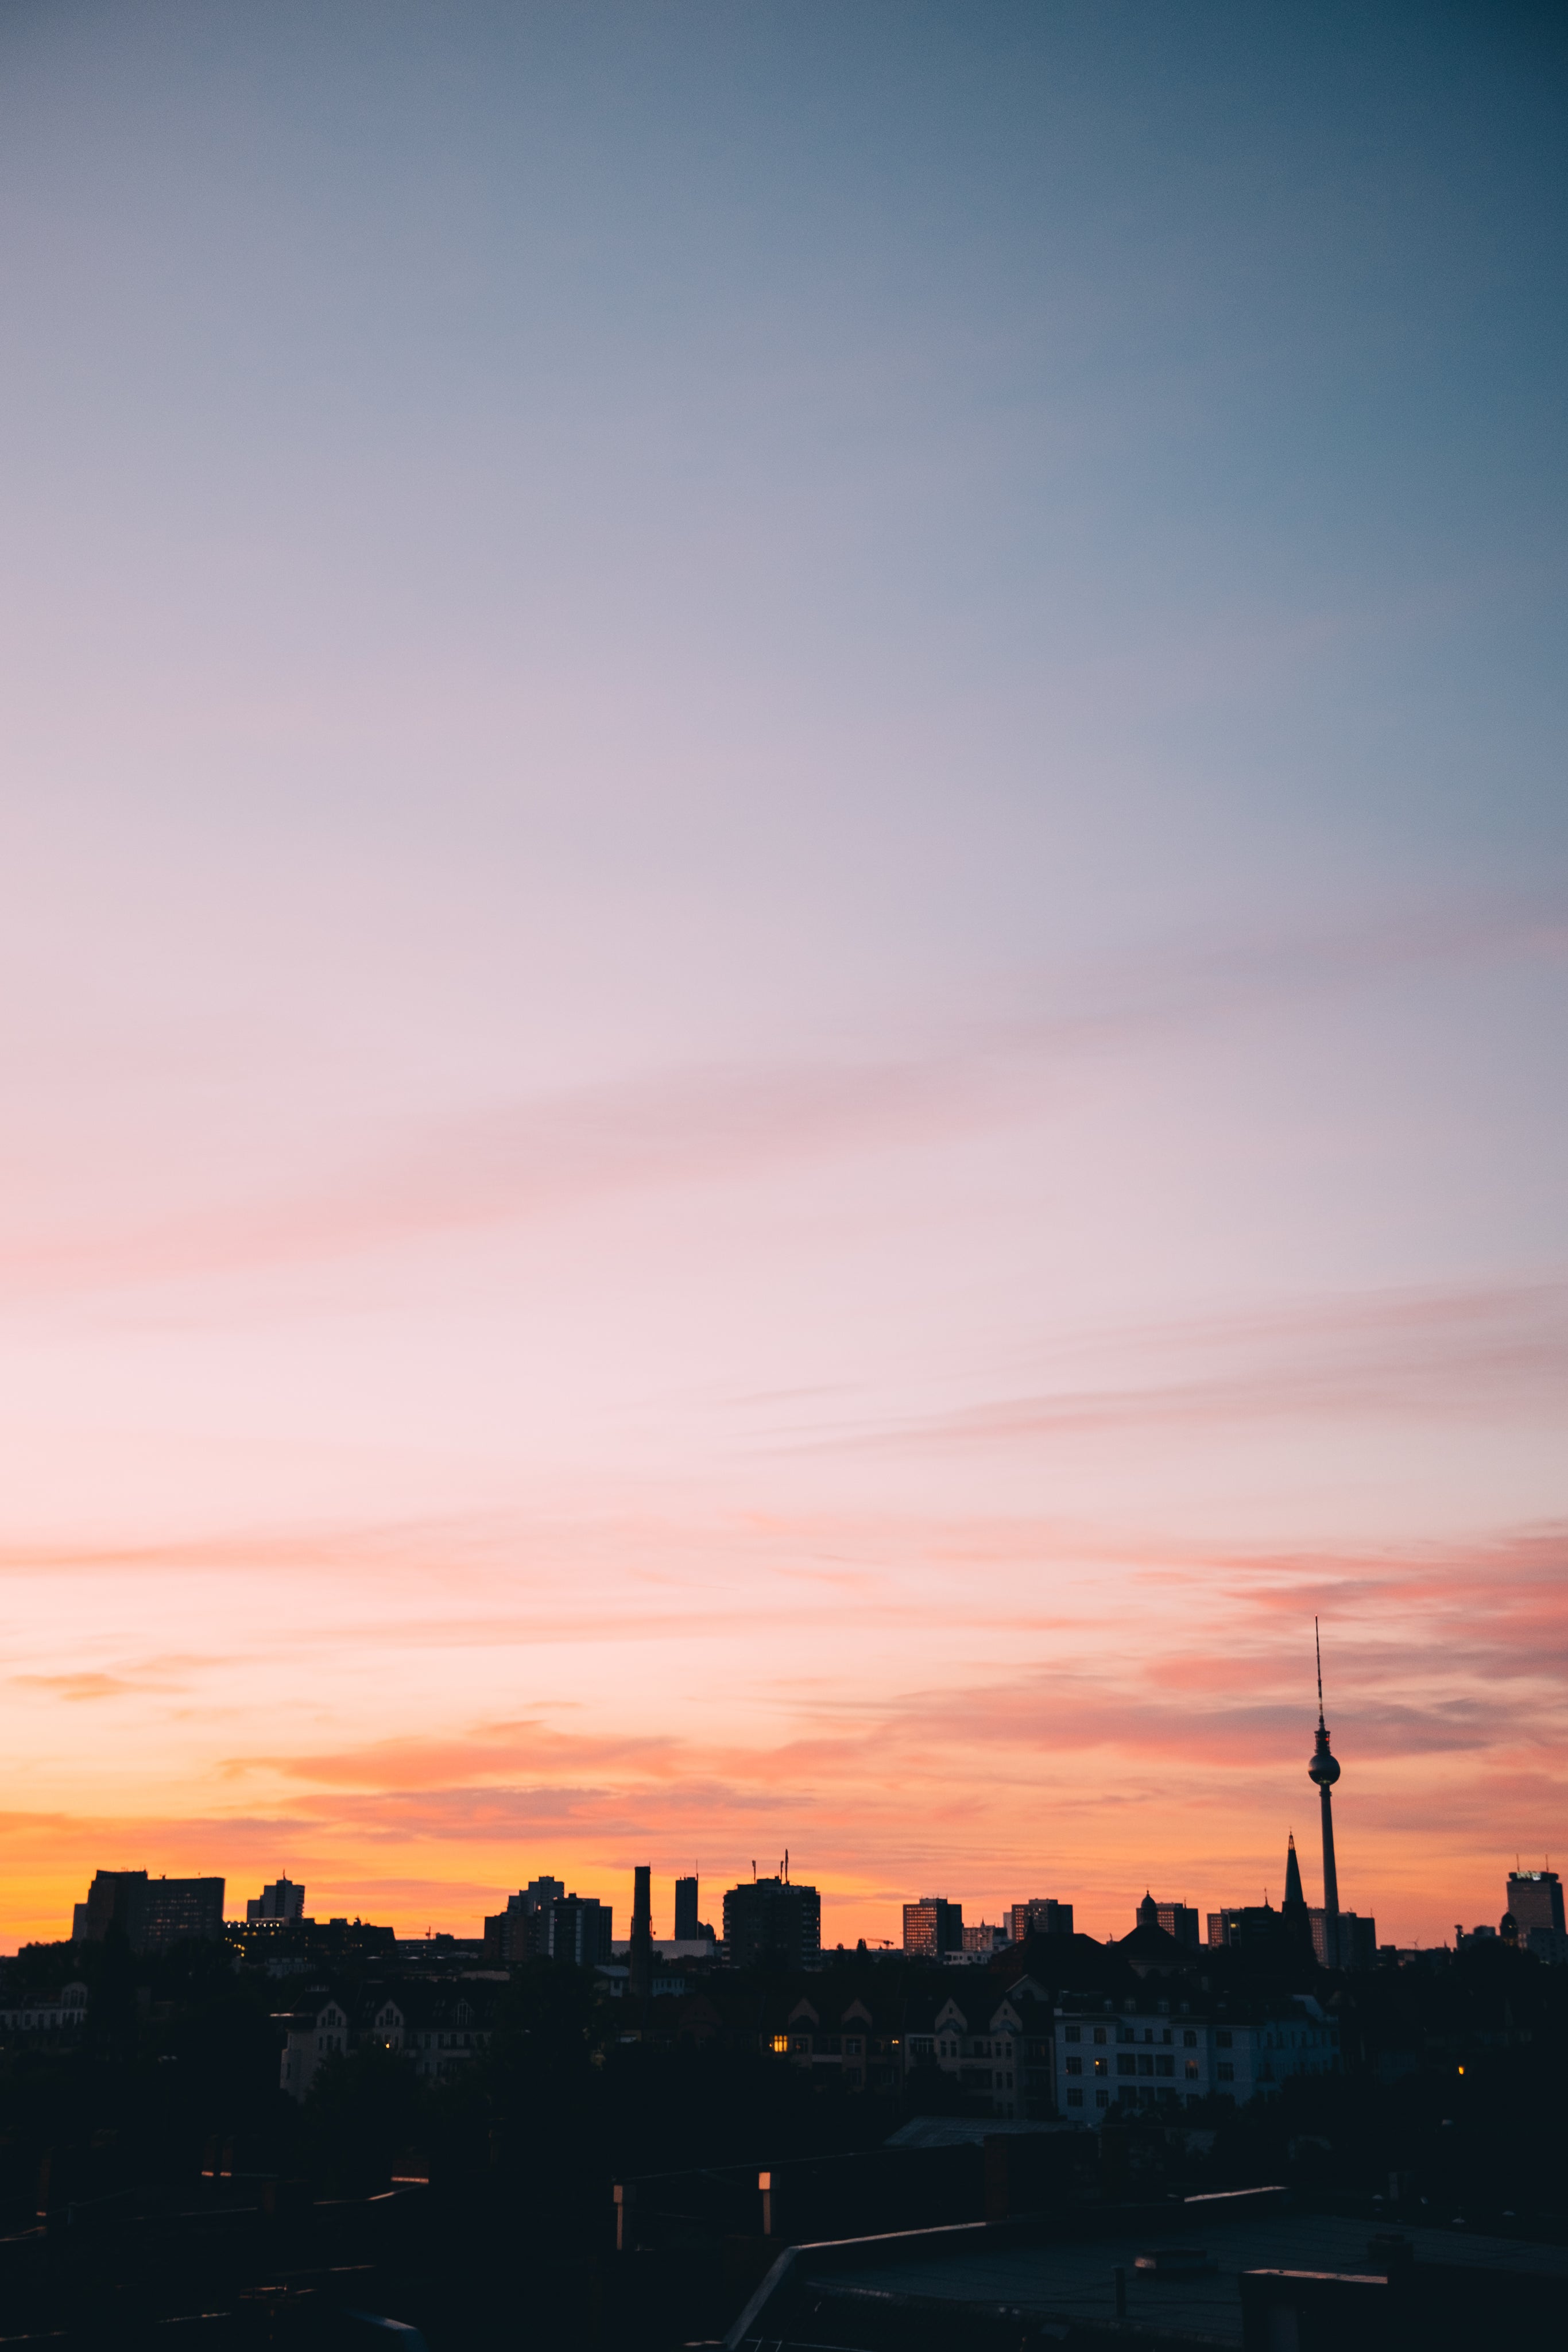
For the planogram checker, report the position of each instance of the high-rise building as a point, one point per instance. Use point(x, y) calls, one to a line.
point(1535, 1908)
point(522, 1931)
point(282, 1902)
point(1177, 1919)
point(688, 1927)
point(984, 1938)
point(1040, 1916)
point(640, 1958)
point(1535, 1900)
point(773, 1920)
point(933, 1926)
point(154, 1913)
point(578, 1929)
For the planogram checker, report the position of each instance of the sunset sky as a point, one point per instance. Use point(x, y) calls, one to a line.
point(783, 951)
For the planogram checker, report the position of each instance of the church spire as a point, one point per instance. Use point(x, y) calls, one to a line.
point(1293, 1876)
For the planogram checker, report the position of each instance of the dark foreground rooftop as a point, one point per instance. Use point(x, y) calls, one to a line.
point(972, 2283)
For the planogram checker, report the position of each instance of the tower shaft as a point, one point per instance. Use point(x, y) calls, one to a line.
point(1331, 1875)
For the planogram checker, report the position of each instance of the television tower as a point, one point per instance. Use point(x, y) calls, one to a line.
point(1324, 1770)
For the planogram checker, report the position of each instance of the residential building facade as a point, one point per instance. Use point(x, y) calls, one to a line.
point(439, 2029)
point(58, 2015)
point(1171, 2055)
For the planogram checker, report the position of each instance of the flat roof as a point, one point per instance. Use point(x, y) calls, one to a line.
point(1061, 2282)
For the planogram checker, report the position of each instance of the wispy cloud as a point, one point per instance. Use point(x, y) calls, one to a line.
point(721, 1124)
point(1434, 1352)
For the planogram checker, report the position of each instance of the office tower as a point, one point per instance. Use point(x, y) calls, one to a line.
point(1535, 1899)
point(1177, 1919)
point(281, 1902)
point(1039, 1916)
point(522, 1931)
point(933, 1926)
point(687, 1926)
point(154, 1913)
point(578, 1929)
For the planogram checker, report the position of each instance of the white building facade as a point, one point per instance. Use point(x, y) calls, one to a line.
point(1130, 2054)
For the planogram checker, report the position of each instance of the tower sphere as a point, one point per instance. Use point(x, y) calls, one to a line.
point(1323, 1767)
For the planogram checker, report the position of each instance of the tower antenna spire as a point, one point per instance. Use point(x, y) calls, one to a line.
point(1324, 1771)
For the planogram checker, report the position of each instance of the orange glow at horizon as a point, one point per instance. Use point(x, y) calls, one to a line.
point(986, 1711)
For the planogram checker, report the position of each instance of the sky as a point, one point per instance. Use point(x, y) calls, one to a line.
point(783, 936)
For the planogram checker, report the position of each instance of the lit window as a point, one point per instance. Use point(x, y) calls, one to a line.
point(781, 2043)
point(1192, 2070)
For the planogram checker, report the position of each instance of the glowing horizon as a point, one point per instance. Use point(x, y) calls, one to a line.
point(785, 939)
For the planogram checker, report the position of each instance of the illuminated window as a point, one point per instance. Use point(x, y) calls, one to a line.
point(781, 2043)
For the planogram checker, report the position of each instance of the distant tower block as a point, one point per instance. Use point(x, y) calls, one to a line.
point(688, 1928)
point(640, 1972)
point(1324, 1770)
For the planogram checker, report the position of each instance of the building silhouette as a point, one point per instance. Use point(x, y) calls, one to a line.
point(283, 1901)
point(1340, 1939)
point(640, 1981)
point(933, 1926)
point(152, 1912)
point(543, 1921)
point(1177, 1919)
point(1535, 1915)
point(1040, 1916)
point(773, 1920)
point(1535, 1899)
